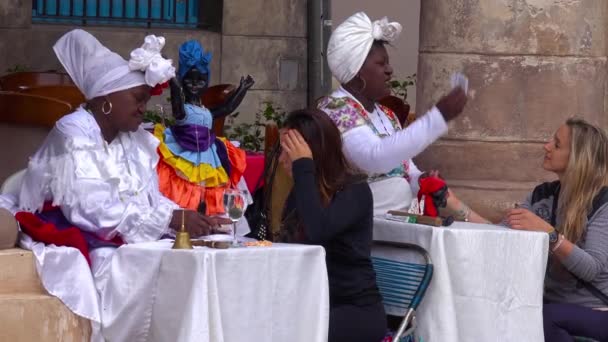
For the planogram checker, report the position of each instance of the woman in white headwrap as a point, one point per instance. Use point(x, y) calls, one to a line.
point(373, 138)
point(96, 172)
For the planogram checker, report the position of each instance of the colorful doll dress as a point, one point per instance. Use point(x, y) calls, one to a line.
point(196, 166)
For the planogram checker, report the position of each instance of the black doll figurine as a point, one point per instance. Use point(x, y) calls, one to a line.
point(196, 165)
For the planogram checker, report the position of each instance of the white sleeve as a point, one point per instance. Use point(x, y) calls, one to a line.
point(101, 211)
point(373, 154)
point(71, 168)
point(414, 177)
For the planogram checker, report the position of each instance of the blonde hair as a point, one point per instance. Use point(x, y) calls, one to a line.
point(585, 175)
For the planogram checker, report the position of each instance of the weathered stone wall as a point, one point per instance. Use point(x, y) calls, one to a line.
point(531, 64)
point(266, 39)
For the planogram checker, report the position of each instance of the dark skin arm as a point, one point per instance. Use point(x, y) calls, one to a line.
point(195, 223)
point(235, 99)
point(177, 99)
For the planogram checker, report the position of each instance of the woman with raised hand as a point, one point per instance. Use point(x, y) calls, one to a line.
point(374, 141)
point(331, 205)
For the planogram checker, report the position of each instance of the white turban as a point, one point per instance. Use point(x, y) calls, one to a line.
point(97, 71)
point(351, 42)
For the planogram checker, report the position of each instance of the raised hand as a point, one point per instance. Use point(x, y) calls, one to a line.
point(452, 104)
point(295, 146)
point(247, 82)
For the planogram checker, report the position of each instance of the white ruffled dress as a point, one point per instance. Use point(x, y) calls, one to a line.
point(106, 189)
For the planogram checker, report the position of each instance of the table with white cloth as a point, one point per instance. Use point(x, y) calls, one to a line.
point(487, 283)
point(277, 293)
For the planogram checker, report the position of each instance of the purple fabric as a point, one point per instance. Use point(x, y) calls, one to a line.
point(562, 321)
point(187, 136)
point(56, 217)
point(222, 153)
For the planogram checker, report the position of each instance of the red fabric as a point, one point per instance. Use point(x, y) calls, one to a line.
point(158, 89)
point(238, 161)
point(428, 186)
point(254, 170)
point(48, 233)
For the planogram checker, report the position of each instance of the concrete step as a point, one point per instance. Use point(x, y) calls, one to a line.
point(18, 273)
point(39, 317)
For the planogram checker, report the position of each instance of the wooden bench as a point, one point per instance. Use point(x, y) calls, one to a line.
point(32, 110)
point(22, 80)
point(66, 93)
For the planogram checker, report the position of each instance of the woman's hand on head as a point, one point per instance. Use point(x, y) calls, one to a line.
point(195, 223)
point(295, 146)
point(452, 104)
point(524, 219)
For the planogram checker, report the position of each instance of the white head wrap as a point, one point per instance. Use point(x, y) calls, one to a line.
point(97, 71)
point(351, 42)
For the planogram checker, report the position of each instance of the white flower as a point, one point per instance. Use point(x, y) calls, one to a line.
point(140, 59)
point(160, 70)
point(153, 43)
point(383, 30)
point(147, 58)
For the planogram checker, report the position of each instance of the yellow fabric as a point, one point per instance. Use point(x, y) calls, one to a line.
point(203, 173)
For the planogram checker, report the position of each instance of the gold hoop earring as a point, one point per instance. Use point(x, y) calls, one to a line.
point(103, 107)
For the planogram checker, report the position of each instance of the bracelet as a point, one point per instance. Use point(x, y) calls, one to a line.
point(468, 213)
point(559, 242)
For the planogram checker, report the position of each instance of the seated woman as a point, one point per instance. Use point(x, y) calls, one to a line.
point(331, 205)
point(95, 174)
point(374, 141)
point(574, 212)
point(196, 165)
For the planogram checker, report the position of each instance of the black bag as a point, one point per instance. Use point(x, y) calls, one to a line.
point(257, 214)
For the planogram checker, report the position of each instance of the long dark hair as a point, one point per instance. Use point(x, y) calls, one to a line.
point(332, 169)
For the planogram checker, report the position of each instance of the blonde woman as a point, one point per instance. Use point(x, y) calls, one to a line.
point(574, 212)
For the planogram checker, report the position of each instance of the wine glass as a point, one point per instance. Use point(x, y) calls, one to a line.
point(235, 203)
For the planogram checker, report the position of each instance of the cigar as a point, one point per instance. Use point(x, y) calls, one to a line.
point(422, 219)
point(211, 244)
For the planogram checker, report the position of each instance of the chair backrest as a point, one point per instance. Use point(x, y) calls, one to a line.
point(22, 80)
point(216, 96)
point(277, 181)
point(33, 110)
point(12, 185)
point(66, 93)
point(403, 273)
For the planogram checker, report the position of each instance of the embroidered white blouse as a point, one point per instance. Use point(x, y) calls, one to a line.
point(380, 153)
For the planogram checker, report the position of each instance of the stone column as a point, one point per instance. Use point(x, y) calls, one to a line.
point(531, 64)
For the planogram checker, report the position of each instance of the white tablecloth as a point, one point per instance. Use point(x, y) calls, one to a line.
point(277, 293)
point(487, 283)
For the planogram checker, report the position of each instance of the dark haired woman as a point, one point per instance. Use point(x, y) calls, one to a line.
point(332, 206)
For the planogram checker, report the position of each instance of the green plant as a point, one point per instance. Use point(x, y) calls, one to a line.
point(250, 134)
point(155, 116)
point(399, 88)
point(17, 68)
